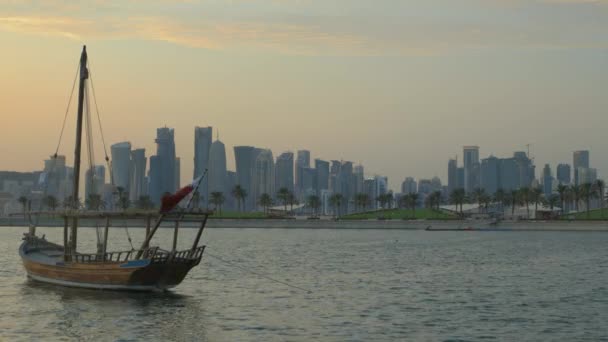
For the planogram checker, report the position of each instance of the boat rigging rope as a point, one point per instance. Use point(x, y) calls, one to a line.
point(103, 139)
point(230, 263)
point(67, 110)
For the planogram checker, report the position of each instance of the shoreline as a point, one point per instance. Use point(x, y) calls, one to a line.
point(446, 225)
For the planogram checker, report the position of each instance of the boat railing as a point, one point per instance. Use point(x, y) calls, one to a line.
point(155, 254)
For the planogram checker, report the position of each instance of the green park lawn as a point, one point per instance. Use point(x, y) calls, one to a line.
point(595, 214)
point(401, 214)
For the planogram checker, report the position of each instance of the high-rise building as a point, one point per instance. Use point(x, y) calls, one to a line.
point(452, 175)
point(202, 150)
point(263, 175)
point(490, 174)
point(509, 176)
point(94, 180)
point(547, 181)
point(586, 175)
point(359, 174)
point(334, 177)
point(526, 169)
point(321, 175)
point(162, 165)
point(302, 162)
point(563, 174)
point(580, 160)
point(121, 165)
point(284, 172)
point(409, 186)
point(177, 172)
point(245, 157)
point(460, 172)
point(347, 184)
point(471, 167)
point(54, 179)
point(217, 170)
point(138, 174)
point(231, 182)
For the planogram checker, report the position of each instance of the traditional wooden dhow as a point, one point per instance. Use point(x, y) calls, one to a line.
point(145, 268)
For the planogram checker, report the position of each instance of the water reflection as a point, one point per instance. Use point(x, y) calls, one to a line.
point(115, 315)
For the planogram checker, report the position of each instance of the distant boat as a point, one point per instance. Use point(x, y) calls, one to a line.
point(146, 268)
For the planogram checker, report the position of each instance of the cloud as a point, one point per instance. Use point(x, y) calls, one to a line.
point(356, 27)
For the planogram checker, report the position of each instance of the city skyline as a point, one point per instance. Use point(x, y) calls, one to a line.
point(394, 185)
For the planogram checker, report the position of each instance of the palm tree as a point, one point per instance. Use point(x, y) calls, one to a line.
point(575, 192)
point(94, 202)
point(562, 190)
point(217, 199)
point(23, 201)
point(196, 199)
point(553, 200)
point(143, 202)
point(283, 194)
point(292, 201)
point(361, 200)
point(526, 195)
point(515, 199)
point(314, 202)
point(478, 195)
point(413, 202)
point(435, 200)
point(51, 202)
point(123, 198)
point(587, 192)
point(499, 198)
point(457, 197)
point(239, 194)
point(382, 199)
point(70, 203)
point(600, 186)
point(536, 197)
point(389, 198)
point(265, 201)
point(335, 201)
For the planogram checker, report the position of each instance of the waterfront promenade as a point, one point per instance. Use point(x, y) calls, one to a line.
point(522, 225)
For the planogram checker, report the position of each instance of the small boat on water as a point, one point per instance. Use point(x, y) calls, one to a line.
point(146, 268)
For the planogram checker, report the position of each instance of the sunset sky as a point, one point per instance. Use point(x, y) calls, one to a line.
point(398, 85)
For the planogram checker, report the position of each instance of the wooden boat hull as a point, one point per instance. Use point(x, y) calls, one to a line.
point(135, 275)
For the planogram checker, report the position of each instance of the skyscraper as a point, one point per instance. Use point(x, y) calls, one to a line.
point(94, 180)
point(563, 174)
point(303, 161)
point(202, 148)
point(490, 174)
point(526, 169)
point(580, 160)
point(547, 181)
point(138, 174)
point(245, 162)
point(452, 175)
point(162, 165)
point(409, 186)
point(121, 165)
point(217, 169)
point(471, 167)
point(321, 175)
point(263, 175)
point(177, 172)
point(284, 172)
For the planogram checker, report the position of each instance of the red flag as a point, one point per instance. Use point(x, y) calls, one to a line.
point(169, 201)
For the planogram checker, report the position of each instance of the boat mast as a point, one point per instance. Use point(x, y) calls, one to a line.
point(84, 75)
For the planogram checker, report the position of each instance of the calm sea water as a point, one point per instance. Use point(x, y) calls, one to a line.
point(365, 285)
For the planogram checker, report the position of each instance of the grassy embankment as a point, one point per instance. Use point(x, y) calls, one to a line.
point(402, 214)
point(596, 214)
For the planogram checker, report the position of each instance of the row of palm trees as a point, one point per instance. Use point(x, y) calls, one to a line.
point(566, 195)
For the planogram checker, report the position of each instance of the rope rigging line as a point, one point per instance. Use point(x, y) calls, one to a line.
point(67, 110)
point(103, 139)
point(230, 263)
